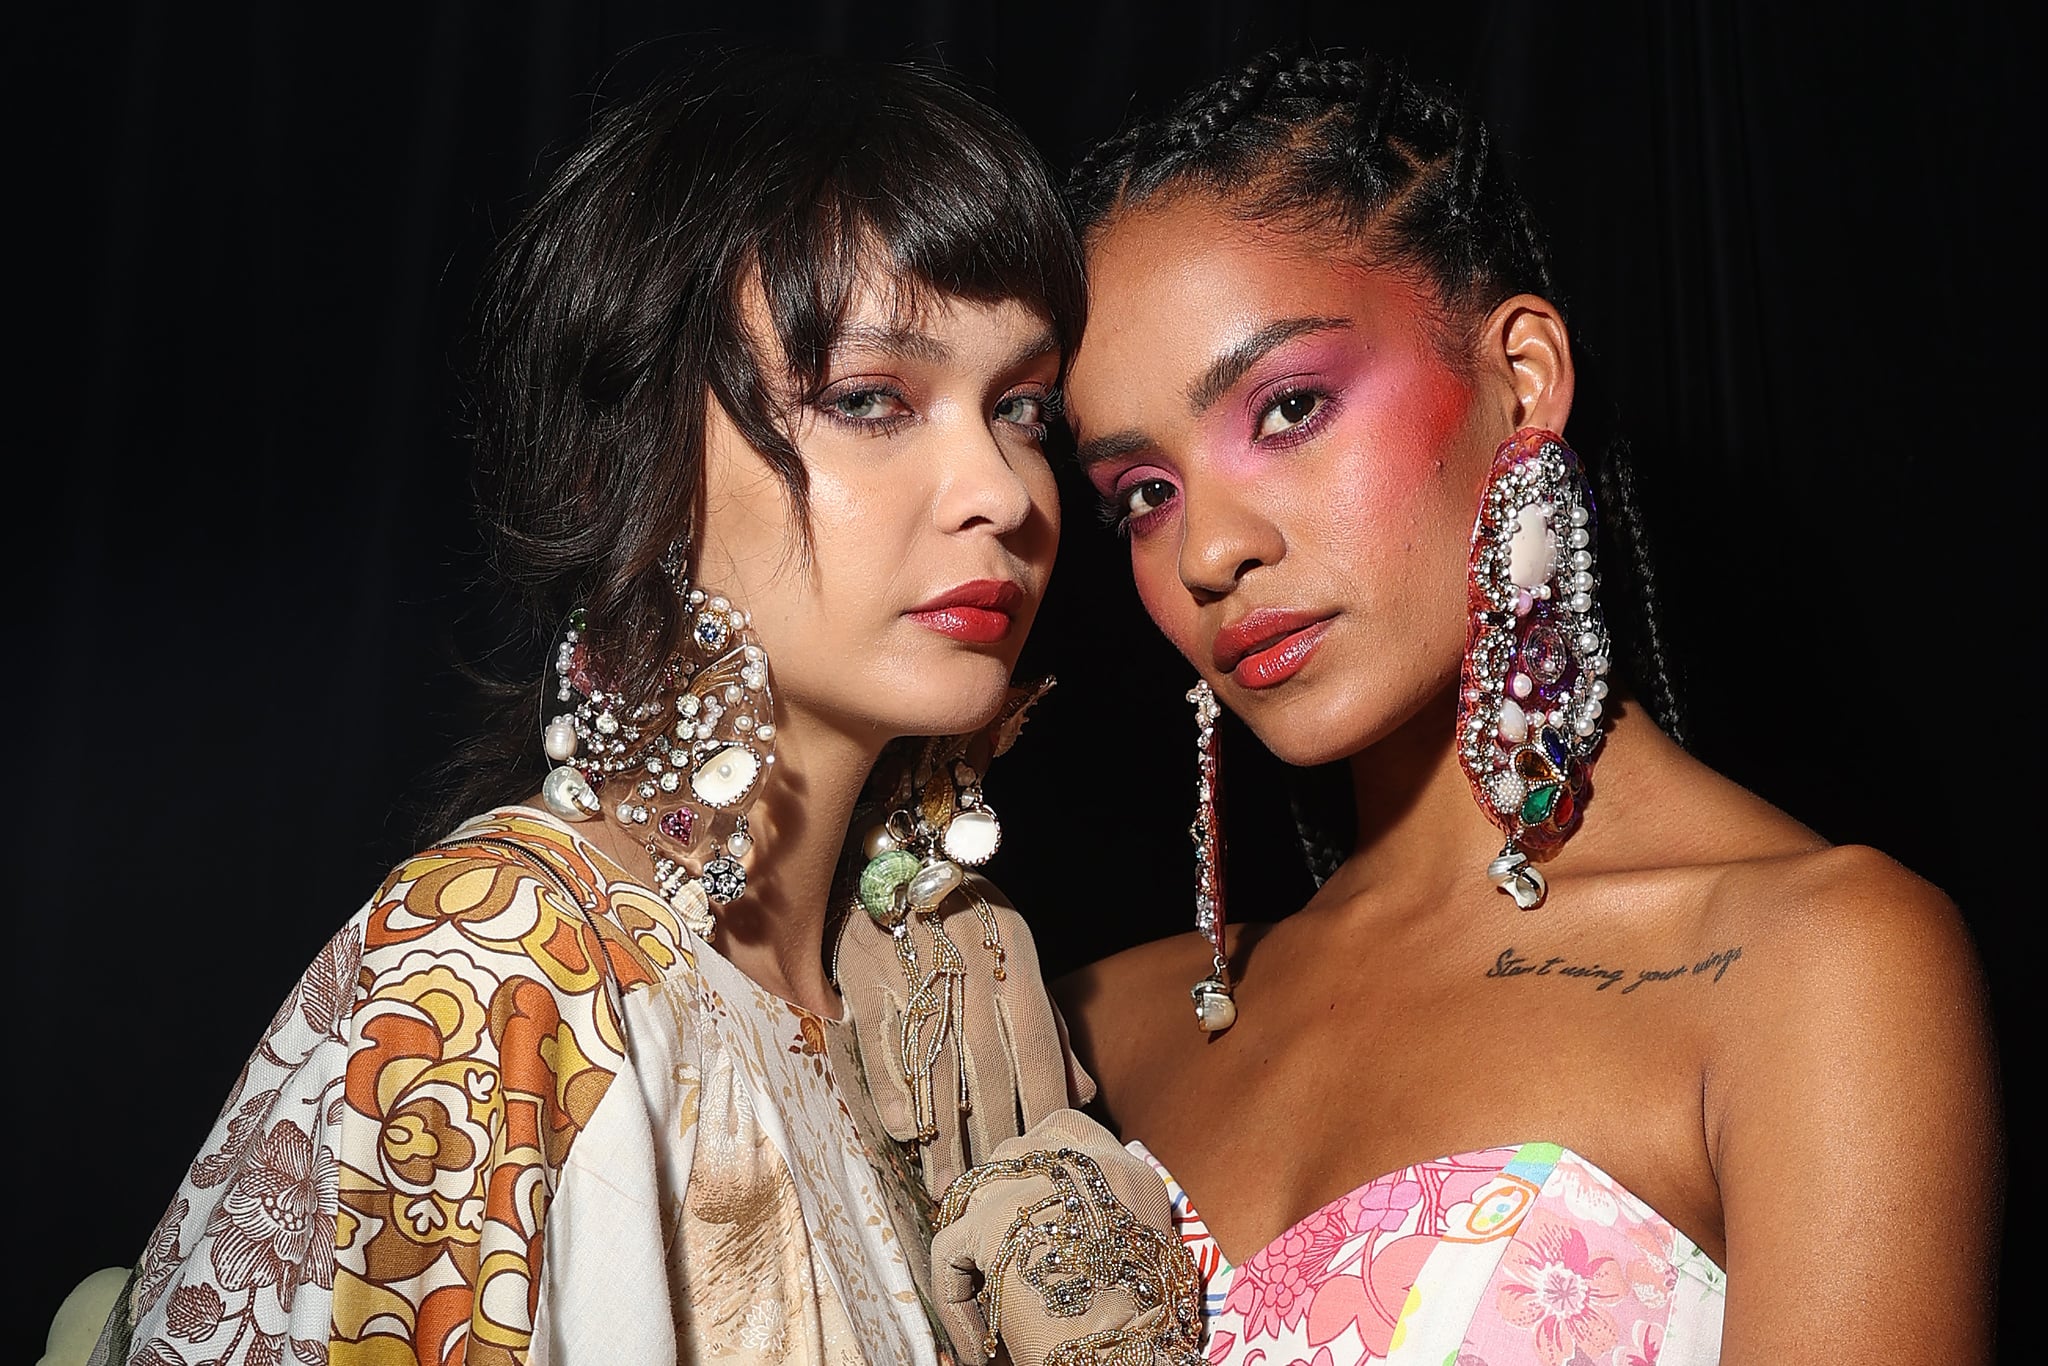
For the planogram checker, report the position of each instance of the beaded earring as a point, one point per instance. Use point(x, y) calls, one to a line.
point(1536, 658)
point(1215, 1007)
point(678, 770)
point(938, 824)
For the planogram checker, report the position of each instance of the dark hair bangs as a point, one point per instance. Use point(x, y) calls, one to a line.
point(910, 177)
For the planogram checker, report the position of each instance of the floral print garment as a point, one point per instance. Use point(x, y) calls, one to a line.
point(516, 1113)
point(1527, 1256)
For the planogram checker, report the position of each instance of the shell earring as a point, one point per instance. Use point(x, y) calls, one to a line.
point(1215, 1007)
point(1536, 658)
point(680, 770)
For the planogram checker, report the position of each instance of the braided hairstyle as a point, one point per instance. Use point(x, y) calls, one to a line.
point(1409, 180)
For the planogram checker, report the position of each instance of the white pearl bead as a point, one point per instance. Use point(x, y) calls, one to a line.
point(1579, 517)
point(1582, 559)
point(1215, 1012)
point(1599, 688)
point(1521, 685)
point(559, 741)
point(1581, 602)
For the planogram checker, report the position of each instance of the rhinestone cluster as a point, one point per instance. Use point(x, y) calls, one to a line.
point(1534, 682)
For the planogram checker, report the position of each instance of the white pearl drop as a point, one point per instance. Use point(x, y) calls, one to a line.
point(559, 741)
point(1215, 1012)
point(1514, 722)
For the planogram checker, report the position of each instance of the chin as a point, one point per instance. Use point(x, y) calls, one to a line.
point(1305, 730)
point(951, 698)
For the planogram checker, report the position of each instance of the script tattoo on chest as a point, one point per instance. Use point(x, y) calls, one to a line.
point(1713, 967)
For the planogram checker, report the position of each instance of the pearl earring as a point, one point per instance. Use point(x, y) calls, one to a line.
point(678, 771)
point(1537, 653)
point(1215, 1007)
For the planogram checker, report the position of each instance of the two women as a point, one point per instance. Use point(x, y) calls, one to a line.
point(771, 372)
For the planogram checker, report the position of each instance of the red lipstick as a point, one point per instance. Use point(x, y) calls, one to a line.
point(1269, 646)
point(980, 612)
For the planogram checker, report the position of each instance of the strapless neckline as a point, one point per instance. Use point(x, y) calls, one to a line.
point(1516, 1256)
point(1532, 1162)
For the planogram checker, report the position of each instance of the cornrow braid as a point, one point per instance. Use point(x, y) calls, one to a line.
point(1411, 179)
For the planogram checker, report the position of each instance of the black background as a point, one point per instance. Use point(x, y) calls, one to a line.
point(1789, 237)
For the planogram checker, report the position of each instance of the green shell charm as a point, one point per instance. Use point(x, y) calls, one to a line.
point(882, 882)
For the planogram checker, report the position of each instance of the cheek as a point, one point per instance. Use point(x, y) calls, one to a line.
point(1166, 600)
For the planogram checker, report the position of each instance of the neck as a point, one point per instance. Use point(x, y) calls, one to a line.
point(775, 934)
point(1414, 803)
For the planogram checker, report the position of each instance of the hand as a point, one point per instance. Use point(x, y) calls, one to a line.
point(960, 991)
point(1063, 1244)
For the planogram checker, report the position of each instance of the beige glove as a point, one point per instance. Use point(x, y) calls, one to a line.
point(961, 993)
point(1063, 1245)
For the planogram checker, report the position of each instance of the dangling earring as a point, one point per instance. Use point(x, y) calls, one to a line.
point(1215, 1008)
point(685, 764)
point(916, 858)
point(1536, 658)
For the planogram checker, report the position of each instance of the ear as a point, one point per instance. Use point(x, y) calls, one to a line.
point(1525, 342)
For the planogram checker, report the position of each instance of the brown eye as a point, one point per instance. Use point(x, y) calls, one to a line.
point(1147, 495)
point(1288, 411)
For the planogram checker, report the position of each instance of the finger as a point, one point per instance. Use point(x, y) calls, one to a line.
point(1081, 1088)
point(955, 1282)
point(1037, 1054)
point(879, 1026)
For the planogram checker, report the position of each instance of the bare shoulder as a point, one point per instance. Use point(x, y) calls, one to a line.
point(1863, 998)
point(1843, 928)
point(1124, 1008)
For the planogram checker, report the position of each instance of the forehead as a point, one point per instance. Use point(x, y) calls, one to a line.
point(1173, 286)
point(886, 310)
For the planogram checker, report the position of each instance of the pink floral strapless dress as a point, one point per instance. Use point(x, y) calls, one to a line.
point(1527, 1256)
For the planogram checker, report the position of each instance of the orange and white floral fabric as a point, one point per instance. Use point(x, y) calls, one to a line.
point(515, 1112)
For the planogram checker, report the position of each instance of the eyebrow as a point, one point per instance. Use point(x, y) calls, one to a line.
point(894, 341)
point(1115, 445)
point(923, 346)
point(1230, 367)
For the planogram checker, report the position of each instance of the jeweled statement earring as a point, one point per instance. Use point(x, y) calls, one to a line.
point(1215, 1008)
point(1536, 658)
point(679, 770)
point(916, 858)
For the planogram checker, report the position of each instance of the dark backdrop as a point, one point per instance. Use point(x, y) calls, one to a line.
point(1790, 241)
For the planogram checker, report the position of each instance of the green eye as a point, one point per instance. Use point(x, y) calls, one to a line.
point(866, 405)
point(1024, 410)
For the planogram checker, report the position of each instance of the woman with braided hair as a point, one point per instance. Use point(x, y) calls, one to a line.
point(1701, 1087)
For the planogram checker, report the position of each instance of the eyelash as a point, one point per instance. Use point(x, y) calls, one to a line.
point(832, 406)
point(1301, 431)
point(1112, 512)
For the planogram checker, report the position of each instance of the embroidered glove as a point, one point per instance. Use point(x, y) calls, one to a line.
point(960, 1045)
point(1062, 1245)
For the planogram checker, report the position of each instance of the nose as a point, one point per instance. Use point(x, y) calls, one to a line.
point(1223, 538)
point(982, 486)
